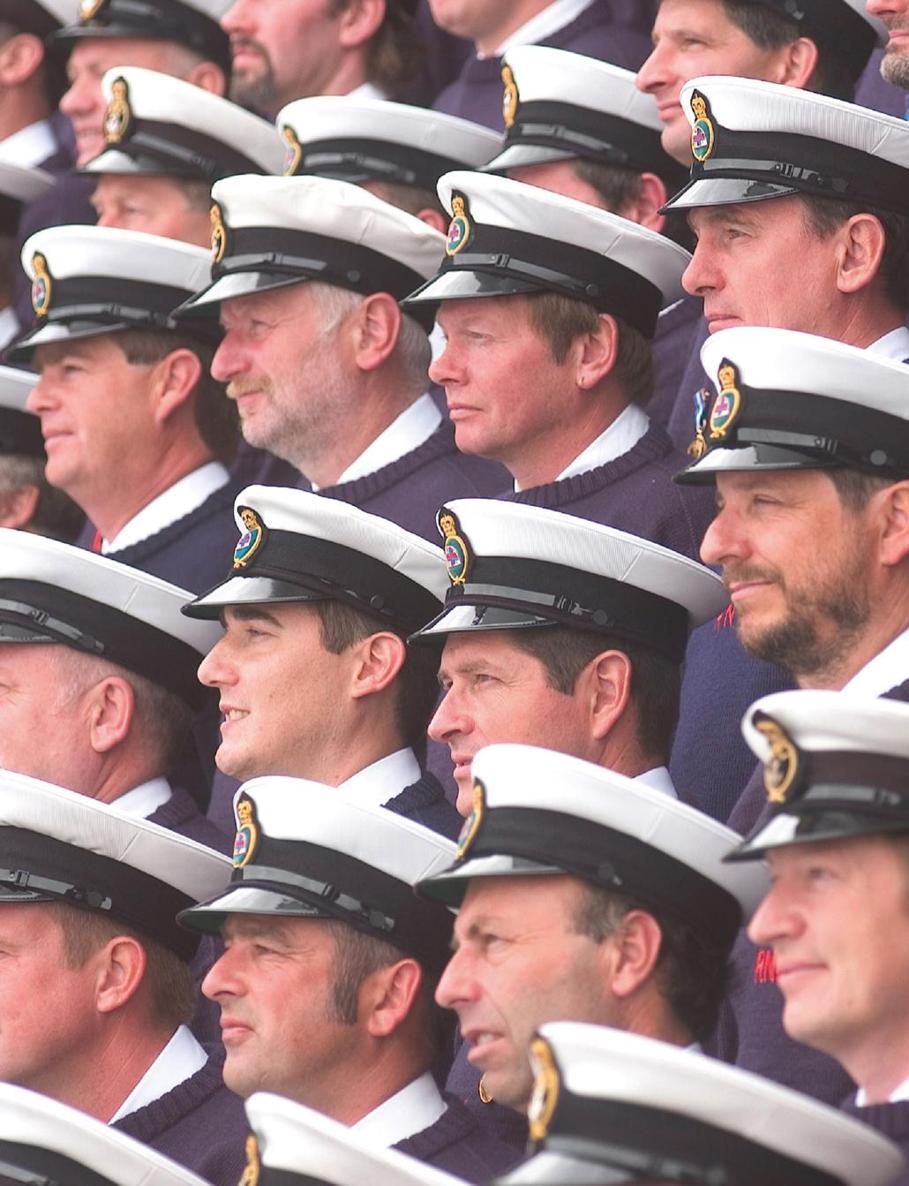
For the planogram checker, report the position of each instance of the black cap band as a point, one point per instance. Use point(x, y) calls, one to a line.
point(35, 867)
point(159, 20)
point(654, 1144)
point(591, 135)
point(612, 860)
point(31, 611)
point(170, 149)
point(546, 265)
point(348, 158)
point(30, 1165)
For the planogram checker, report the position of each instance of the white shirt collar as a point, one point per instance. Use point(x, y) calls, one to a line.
point(409, 1111)
point(367, 90)
point(894, 345)
point(9, 326)
point(660, 779)
point(888, 669)
point(901, 1093)
point(406, 432)
point(184, 497)
point(145, 799)
point(554, 16)
point(180, 1059)
point(381, 781)
point(29, 146)
point(619, 438)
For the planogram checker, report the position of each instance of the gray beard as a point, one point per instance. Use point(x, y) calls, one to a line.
point(895, 69)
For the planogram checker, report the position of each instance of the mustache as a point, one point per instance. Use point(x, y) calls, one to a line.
point(238, 387)
point(238, 42)
point(736, 574)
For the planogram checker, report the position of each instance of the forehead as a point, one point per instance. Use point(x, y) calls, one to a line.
point(524, 901)
point(115, 185)
point(811, 484)
point(276, 303)
point(487, 646)
point(288, 931)
point(772, 215)
point(494, 312)
point(297, 618)
point(96, 348)
point(684, 14)
point(861, 856)
point(96, 55)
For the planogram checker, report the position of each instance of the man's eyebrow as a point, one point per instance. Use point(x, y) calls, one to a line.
point(254, 613)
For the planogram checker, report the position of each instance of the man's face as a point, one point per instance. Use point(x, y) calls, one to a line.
point(518, 963)
point(477, 20)
point(284, 697)
point(46, 1036)
point(285, 366)
point(895, 15)
point(494, 692)
point(93, 406)
point(506, 393)
point(837, 918)
point(742, 267)
point(279, 1028)
point(88, 62)
point(154, 205)
point(693, 38)
point(797, 562)
point(282, 50)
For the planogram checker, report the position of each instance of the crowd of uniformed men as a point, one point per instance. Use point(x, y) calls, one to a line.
point(454, 491)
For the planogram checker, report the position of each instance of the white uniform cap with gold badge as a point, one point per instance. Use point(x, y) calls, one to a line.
point(20, 430)
point(559, 106)
point(512, 566)
point(51, 592)
point(508, 238)
point(58, 846)
point(90, 280)
point(194, 24)
point(46, 1141)
point(358, 140)
point(753, 140)
point(159, 125)
point(291, 1142)
point(537, 812)
point(787, 400)
point(298, 546)
point(836, 765)
point(273, 231)
point(303, 850)
point(614, 1107)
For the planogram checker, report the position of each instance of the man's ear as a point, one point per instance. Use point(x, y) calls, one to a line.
point(893, 546)
point(120, 968)
point(599, 352)
point(208, 77)
point(20, 56)
point(605, 684)
point(111, 708)
point(795, 63)
point(360, 21)
point(645, 208)
point(860, 246)
point(387, 996)
point(174, 382)
point(636, 948)
point(17, 507)
point(377, 328)
point(379, 660)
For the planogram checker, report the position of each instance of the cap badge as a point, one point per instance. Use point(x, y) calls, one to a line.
point(253, 1167)
point(293, 151)
point(119, 115)
point(90, 8)
point(247, 836)
point(42, 285)
point(473, 821)
point(218, 234)
point(728, 403)
point(486, 1096)
point(510, 97)
point(703, 132)
point(457, 553)
point(698, 446)
point(251, 539)
point(546, 1084)
point(782, 766)
point(459, 228)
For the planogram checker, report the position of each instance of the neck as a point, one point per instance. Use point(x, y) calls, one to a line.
point(648, 1015)
point(861, 651)
point(357, 1087)
point(20, 110)
point(350, 74)
point(863, 321)
point(881, 1064)
point(514, 16)
point(540, 460)
point(358, 741)
point(114, 506)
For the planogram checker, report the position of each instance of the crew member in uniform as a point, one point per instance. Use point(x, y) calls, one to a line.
point(327, 372)
point(88, 905)
point(314, 675)
point(326, 982)
point(136, 431)
point(549, 307)
point(806, 440)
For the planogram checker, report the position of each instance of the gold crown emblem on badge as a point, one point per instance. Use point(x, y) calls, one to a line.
point(293, 152)
point(253, 1167)
point(459, 227)
point(42, 285)
point(473, 821)
point(781, 766)
point(703, 132)
point(728, 403)
point(457, 552)
point(90, 8)
point(118, 115)
point(510, 97)
point(547, 1083)
point(251, 539)
point(247, 837)
point(218, 234)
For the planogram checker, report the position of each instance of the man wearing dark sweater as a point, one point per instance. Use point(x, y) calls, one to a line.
point(836, 771)
point(549, 307)
point(326, 371)
point(135, 429)
point(806, 440)
point(326, 984)
point(314, 675)
point(96, 979)
point(895, 15)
